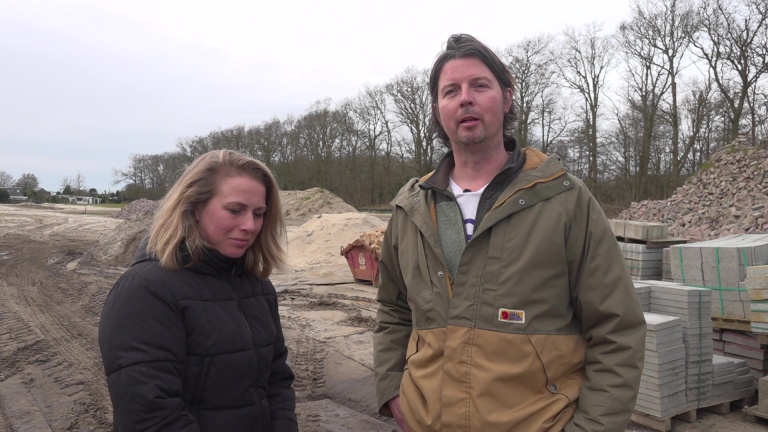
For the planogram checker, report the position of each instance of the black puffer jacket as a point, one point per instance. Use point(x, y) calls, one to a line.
point(197, 349)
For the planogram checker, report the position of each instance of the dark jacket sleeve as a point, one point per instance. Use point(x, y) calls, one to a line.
point(280, 393)
point(393, 321)
point(612, 322)
point(142, 341)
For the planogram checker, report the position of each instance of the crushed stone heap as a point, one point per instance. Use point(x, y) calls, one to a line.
point(138, 209)
point(729, 195)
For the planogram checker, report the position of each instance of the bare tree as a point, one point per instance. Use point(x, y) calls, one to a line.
point(734, 44)
point(369, 112)
point(27, 182)
point(320, 131)
point(412, 108)
point(6, 180)
point(695, 111)
point(647, 82)
point(533, 65)
point(586, 58)
point(150, 176)
point(672, 24)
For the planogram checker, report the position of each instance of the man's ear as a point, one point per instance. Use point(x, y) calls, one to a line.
point(508, 93)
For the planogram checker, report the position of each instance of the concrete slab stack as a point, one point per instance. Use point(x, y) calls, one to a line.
point(691, 305)
point(643, 263)
point(756, 284)
point(721, 265)
point(744, 384)
point(635, 230)
point(662, 386)
point(731, 380)
point(723, 375)
point(643, 292)
point(666, 265)
point(748, 347)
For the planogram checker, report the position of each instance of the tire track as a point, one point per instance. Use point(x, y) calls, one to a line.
point(50, 360)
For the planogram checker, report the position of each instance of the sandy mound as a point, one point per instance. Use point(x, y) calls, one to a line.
point(319, 241)
point(315, 201)
point(118, 247)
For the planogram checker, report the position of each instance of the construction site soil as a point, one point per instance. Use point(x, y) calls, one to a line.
point(57, 264)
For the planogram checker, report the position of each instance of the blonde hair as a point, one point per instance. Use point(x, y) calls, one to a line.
point(174, 223)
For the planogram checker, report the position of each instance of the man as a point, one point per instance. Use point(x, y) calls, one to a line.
point(504, 301)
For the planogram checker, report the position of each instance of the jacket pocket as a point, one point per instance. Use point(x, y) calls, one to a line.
point(563, 359)
point(413, 347)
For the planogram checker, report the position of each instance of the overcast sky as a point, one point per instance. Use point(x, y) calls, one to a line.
point(86, 84)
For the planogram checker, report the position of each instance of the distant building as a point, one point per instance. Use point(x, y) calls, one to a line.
point(17, 194)
point(85, 200)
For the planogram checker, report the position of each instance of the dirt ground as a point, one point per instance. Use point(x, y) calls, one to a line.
point(55, 272)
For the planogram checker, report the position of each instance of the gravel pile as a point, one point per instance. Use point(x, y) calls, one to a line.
point(138, 209)
point(728, 196)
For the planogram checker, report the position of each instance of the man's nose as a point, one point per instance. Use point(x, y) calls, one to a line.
point(466, 98)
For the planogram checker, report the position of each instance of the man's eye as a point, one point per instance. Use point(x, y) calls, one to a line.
point(234, 211)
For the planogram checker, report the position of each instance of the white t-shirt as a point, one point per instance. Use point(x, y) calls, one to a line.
point(468, 202)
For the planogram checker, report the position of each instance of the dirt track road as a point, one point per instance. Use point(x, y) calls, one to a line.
point(50, 368)
point(51, 294)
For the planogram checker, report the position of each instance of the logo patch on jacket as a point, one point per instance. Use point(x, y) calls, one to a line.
point(511, 315)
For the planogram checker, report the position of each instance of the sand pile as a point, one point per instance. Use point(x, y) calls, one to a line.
point(118, 247)
point(311, 202)
point(319, 241)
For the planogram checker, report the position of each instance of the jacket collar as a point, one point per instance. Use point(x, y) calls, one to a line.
point(212, 262)
point(439, 179)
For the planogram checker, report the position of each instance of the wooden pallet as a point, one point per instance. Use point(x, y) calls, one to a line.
point(726, 323)
point(689, 416)
point(654, 244)
point(752, 414)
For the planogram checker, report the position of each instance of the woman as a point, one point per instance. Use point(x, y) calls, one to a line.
point(190, 334)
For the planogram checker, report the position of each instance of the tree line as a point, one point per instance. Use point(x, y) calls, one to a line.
point(632, 111)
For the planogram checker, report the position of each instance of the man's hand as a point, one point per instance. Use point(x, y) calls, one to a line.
point(394, 406)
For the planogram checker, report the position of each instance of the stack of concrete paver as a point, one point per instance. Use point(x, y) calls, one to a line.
point(756, 284)
point(666, 266)
point(744, 346)
point(691, 305)
point(643, 292)
point(662, 387)
point(643, 263)
point(723, 374)
point(721, 265)
point(731, 380)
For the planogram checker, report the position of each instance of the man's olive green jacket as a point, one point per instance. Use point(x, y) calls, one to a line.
point(540, 330)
